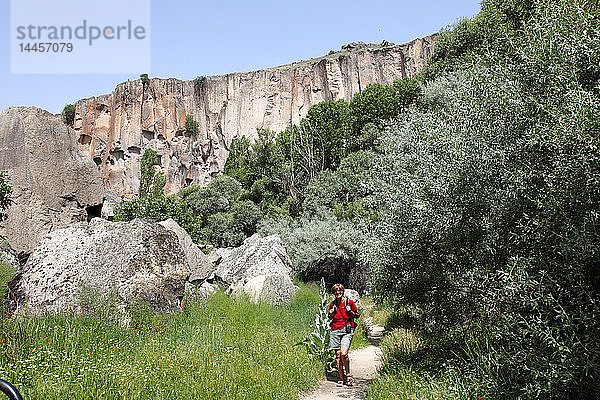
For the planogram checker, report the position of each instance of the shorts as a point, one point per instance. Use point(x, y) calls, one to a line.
point(340, 338)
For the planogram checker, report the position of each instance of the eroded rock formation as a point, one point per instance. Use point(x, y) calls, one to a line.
point(116, 128)
point(54, 184)
point(130, 261)
point(260, 268)
point(140, 260)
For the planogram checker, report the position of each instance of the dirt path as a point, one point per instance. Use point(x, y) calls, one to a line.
point(363, 365)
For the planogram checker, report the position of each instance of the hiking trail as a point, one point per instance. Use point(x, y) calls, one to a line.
point(364, 364)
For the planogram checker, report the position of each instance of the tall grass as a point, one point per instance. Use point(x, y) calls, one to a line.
point(225, 348)
point(413, 369)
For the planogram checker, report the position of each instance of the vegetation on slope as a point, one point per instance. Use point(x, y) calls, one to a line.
point(225, 348)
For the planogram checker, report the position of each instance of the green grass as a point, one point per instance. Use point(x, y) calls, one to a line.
point(225, 348)
point(6, 274)
point(403, 378)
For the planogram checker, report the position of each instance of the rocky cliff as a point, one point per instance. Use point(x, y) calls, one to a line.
point(54, 184)
point(116, 128)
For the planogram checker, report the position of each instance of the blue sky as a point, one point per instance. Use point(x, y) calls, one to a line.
point(193, 38)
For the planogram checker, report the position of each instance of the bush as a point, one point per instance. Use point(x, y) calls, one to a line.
point(5, 191)
point(489, 217)
point(153, 204)
point(191, 126)
point(324, 248)
point(68, 114)
point(379, 103)
point(145, 80)
point(199, 83)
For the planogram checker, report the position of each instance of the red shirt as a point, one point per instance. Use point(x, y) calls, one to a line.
point(341, 317)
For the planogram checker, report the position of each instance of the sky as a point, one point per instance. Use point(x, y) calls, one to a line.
point(202, 38)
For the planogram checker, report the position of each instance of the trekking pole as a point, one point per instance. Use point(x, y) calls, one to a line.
point(10, 390)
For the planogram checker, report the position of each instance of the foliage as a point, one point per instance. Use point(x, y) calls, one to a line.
point(199, 83)
point(467, 42)
point(7, 272)
point(378, 103)
point(152, 182)
point(317, 340)
point(347, 192)
point(330, 122)
point(490, 206)
point(5, 191)
point(191, 126)
point(404, 378)
point(240, 163)
point(321, 248)
point(153, 204)
point(221, 211)
point(68, 114)
point(145, 80)
point(223, 348)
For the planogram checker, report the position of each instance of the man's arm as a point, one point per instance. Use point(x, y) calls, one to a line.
point(331, 311)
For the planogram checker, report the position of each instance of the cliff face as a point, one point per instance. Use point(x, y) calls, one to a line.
point(54, 184)
point(115, 129)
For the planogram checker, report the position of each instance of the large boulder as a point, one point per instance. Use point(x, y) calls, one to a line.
point(129, 261)
point(54, 184)
point(260, 267)
point(201, 266)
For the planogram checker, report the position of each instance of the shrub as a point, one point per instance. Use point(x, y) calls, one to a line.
point(145, 80)
point(489, 216)
point(191, 126)
point(68, 114)
point(199, 83)
point(378, 103)
point(330, 122)
point(240, 164)
point(5, 191)
point(324, 248)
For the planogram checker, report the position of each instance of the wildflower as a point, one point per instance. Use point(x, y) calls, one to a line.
point(211, 354)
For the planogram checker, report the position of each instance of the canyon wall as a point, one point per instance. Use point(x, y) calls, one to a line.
point(54, 184)
point(116, 128)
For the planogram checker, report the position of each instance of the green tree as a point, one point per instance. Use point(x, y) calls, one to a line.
point(68, 114)
point(152, 182)
point(379, 103)
point(239, 164)
point(330, 121)
point(490, 203)
point(191, 126)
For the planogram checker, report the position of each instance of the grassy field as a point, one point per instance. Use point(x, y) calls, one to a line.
point(225, 348)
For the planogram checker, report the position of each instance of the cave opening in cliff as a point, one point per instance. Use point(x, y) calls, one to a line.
point(93, 211)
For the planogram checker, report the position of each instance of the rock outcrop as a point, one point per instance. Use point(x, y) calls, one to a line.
point(54, 184)
point(139, 260)
point(260, 267)
point(131, 261)
point(116, 128)
point(200, 265)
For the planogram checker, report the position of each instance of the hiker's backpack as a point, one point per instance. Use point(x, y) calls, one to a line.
point(347, 302)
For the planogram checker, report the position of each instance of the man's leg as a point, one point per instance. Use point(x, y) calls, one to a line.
point(340, 365)
point(345, 359)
